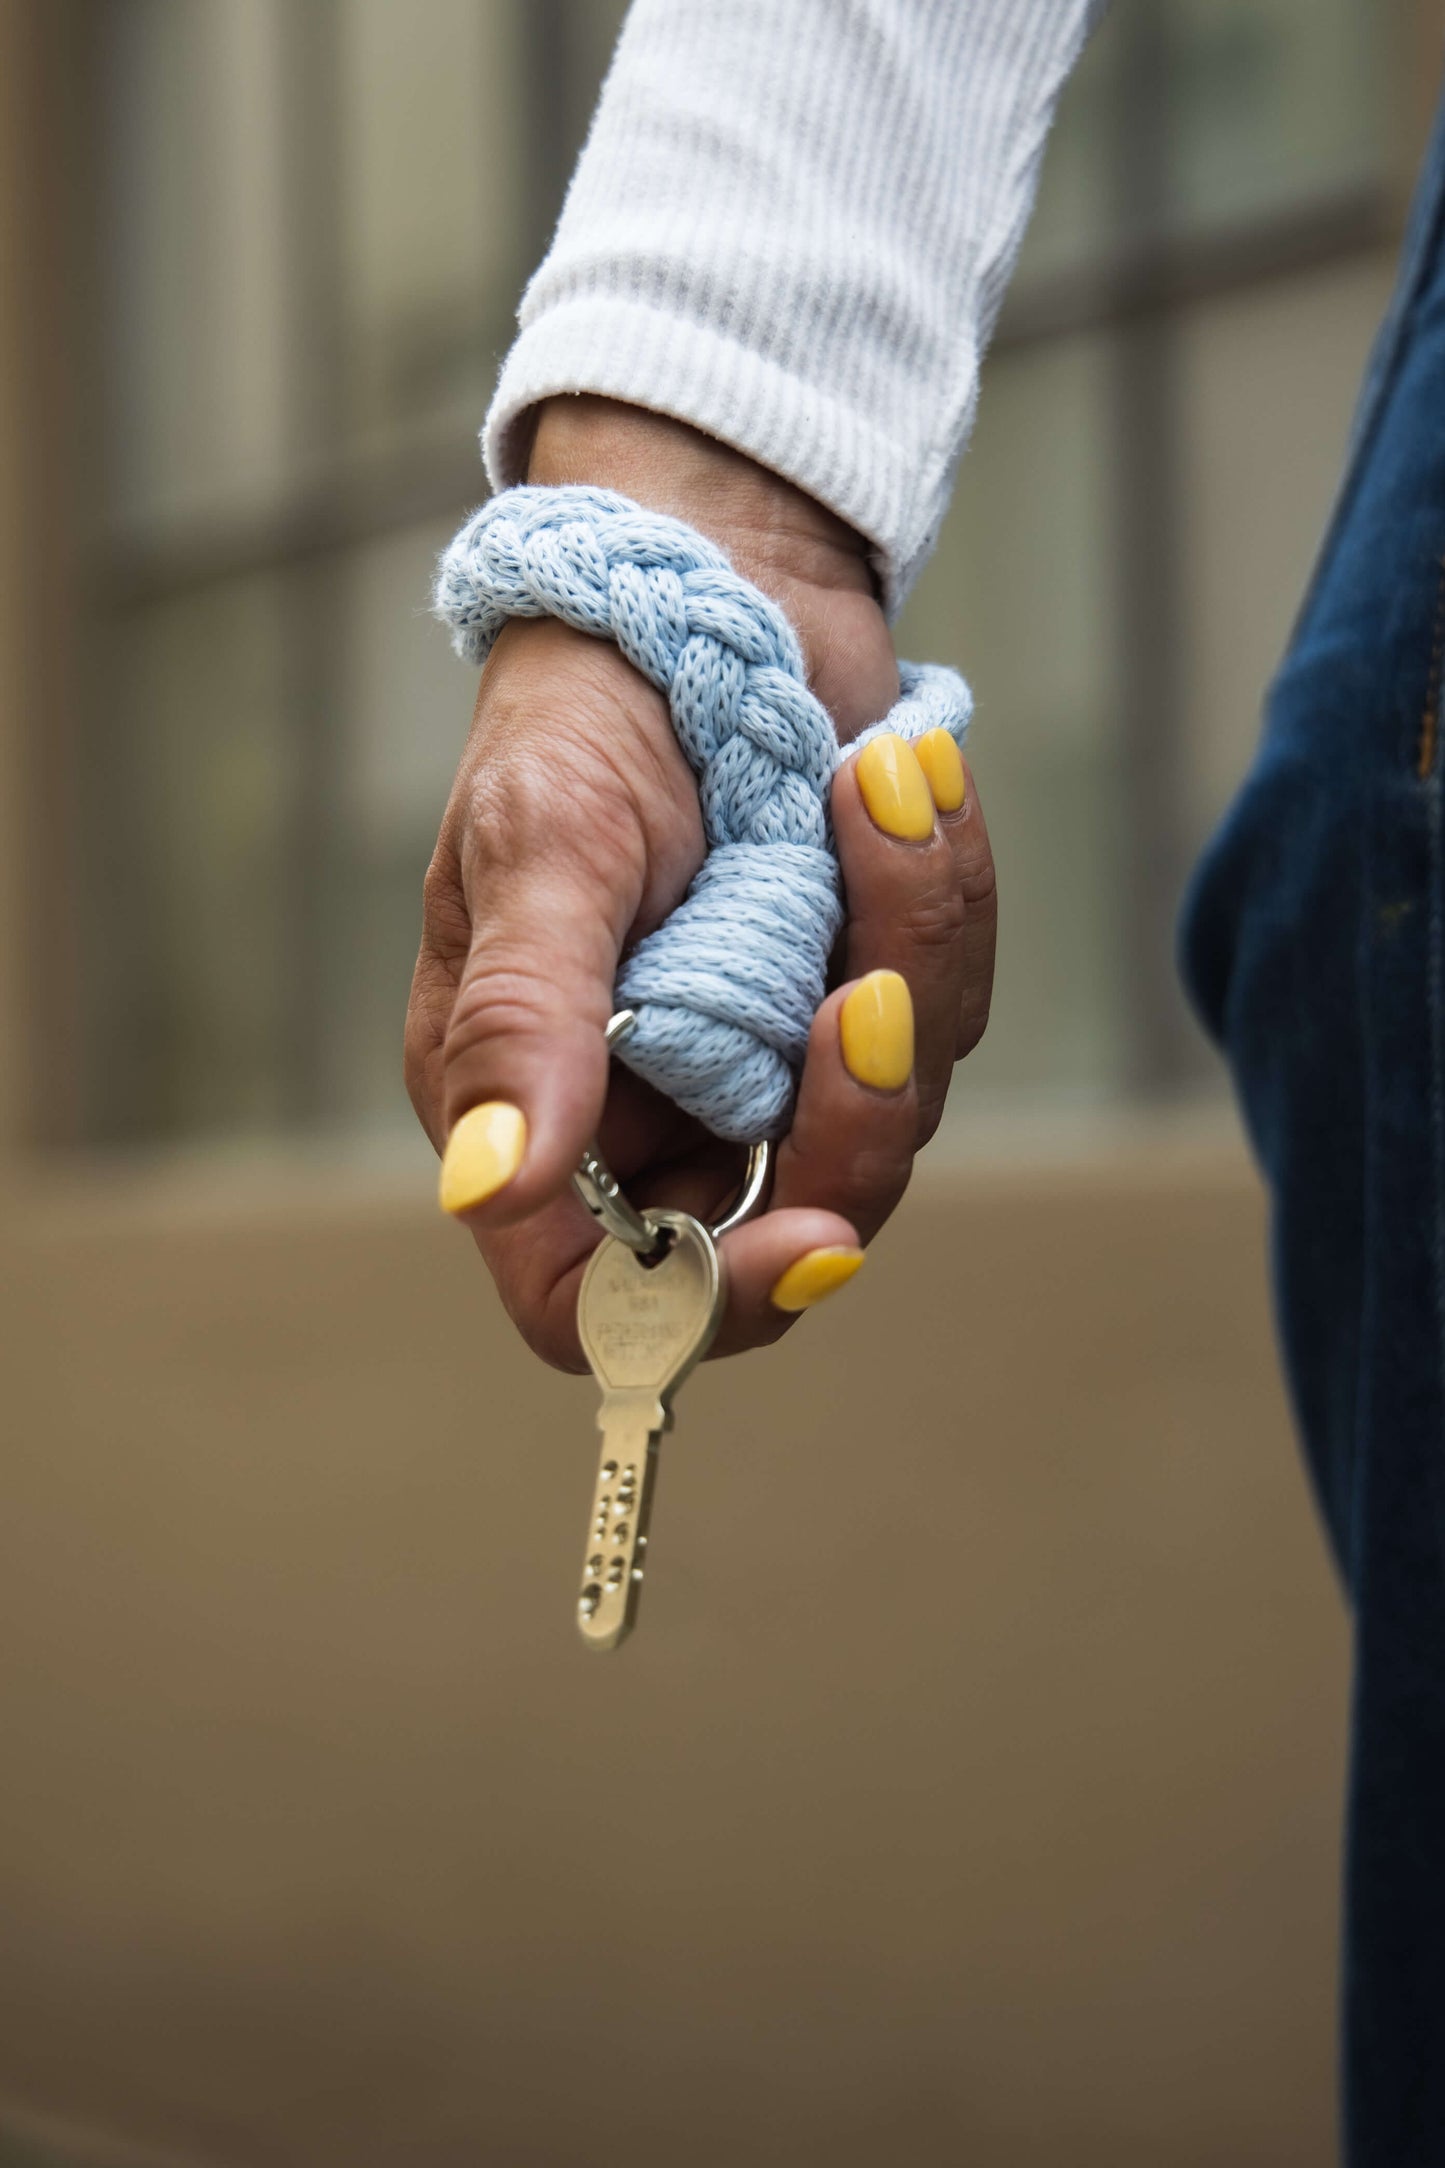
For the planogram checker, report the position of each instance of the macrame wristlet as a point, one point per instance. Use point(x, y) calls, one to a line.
point(726, 989)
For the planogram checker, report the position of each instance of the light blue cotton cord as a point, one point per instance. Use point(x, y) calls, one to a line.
point(726, 989)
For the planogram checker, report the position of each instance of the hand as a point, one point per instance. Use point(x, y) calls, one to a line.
point(573, 828)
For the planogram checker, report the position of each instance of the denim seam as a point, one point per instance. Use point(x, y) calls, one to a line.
point(1428, 744)
point(1435, 980)
point(1355, 1562)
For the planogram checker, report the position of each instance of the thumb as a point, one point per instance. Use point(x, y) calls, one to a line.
point(524, 1059)
point(573, 823)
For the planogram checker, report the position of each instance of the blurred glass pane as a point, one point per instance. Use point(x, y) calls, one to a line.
point(193, 248)
point(404, 704)
point(315, 225)
point(316, 222)
point(1273, 103)
point(268, 880)
point(1074, 218)
point(432, 208)
point(1020, 592)
point(188, 911)
point(1263, 107)
point(1267, 384)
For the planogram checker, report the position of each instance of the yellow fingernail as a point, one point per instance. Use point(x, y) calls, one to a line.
point(895, 790)
point(812, 1277)
point(876, 1029)
point(942, 764)
point(483, 1152)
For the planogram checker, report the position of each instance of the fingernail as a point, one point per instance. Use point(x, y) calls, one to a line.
point(813, 1277)
point(895, 790)
point(876, 1028)
point(942, 764)
point(483, 1152)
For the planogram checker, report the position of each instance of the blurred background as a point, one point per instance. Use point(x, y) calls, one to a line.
point(973, 1785)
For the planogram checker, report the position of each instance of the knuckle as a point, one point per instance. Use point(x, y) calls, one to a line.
point(512, 830)
point(979, 884)
point(418, 1045)
point(880, 1192)
point(548, 1333)
point(445, 921)
point(931, 1104)
point(506, 809)
point(875, 1177)
point(498, 999)
point(934, 923)
point(505, 1019)
point(422, 1037)
point(972, 1024)
point(540, 1306)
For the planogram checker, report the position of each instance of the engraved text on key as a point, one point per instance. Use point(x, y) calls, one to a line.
point(643, 1327)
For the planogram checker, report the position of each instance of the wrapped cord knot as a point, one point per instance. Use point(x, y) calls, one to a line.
point(726, 989)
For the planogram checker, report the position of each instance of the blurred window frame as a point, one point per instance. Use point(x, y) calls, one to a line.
point(72, 581)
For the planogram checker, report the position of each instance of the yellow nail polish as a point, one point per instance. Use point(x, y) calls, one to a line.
point(942, 765)
point(483, 1152)
point(876, 1028)
point(814, 1276)
point(895, 789)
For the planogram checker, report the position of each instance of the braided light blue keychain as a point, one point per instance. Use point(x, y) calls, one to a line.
point(726, 989)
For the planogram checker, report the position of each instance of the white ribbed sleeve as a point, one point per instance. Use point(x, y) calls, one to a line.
point(792, 226)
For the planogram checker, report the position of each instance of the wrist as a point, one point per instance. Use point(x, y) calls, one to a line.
point(768, 525)
point(812, 563)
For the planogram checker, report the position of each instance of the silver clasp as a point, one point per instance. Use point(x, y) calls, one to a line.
point(602, 1193)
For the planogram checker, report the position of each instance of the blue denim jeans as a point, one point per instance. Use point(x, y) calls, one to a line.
point(1314, 947)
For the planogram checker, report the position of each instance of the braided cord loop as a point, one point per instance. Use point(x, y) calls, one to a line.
point(727, 987)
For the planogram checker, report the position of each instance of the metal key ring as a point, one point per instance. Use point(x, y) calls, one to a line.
point(602, 1193)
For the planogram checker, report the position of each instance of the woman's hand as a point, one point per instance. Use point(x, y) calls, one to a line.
point(573, 828)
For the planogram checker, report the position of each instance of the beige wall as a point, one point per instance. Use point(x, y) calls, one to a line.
point(970, 1790)
point(16, 591)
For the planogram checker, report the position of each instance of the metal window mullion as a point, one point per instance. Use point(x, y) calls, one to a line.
point(314, 587)
point(1161, 1049)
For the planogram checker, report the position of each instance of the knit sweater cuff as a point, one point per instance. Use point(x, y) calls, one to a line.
point(891, 492)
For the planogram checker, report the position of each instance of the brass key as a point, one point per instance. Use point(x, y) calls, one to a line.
point(643, 1326)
